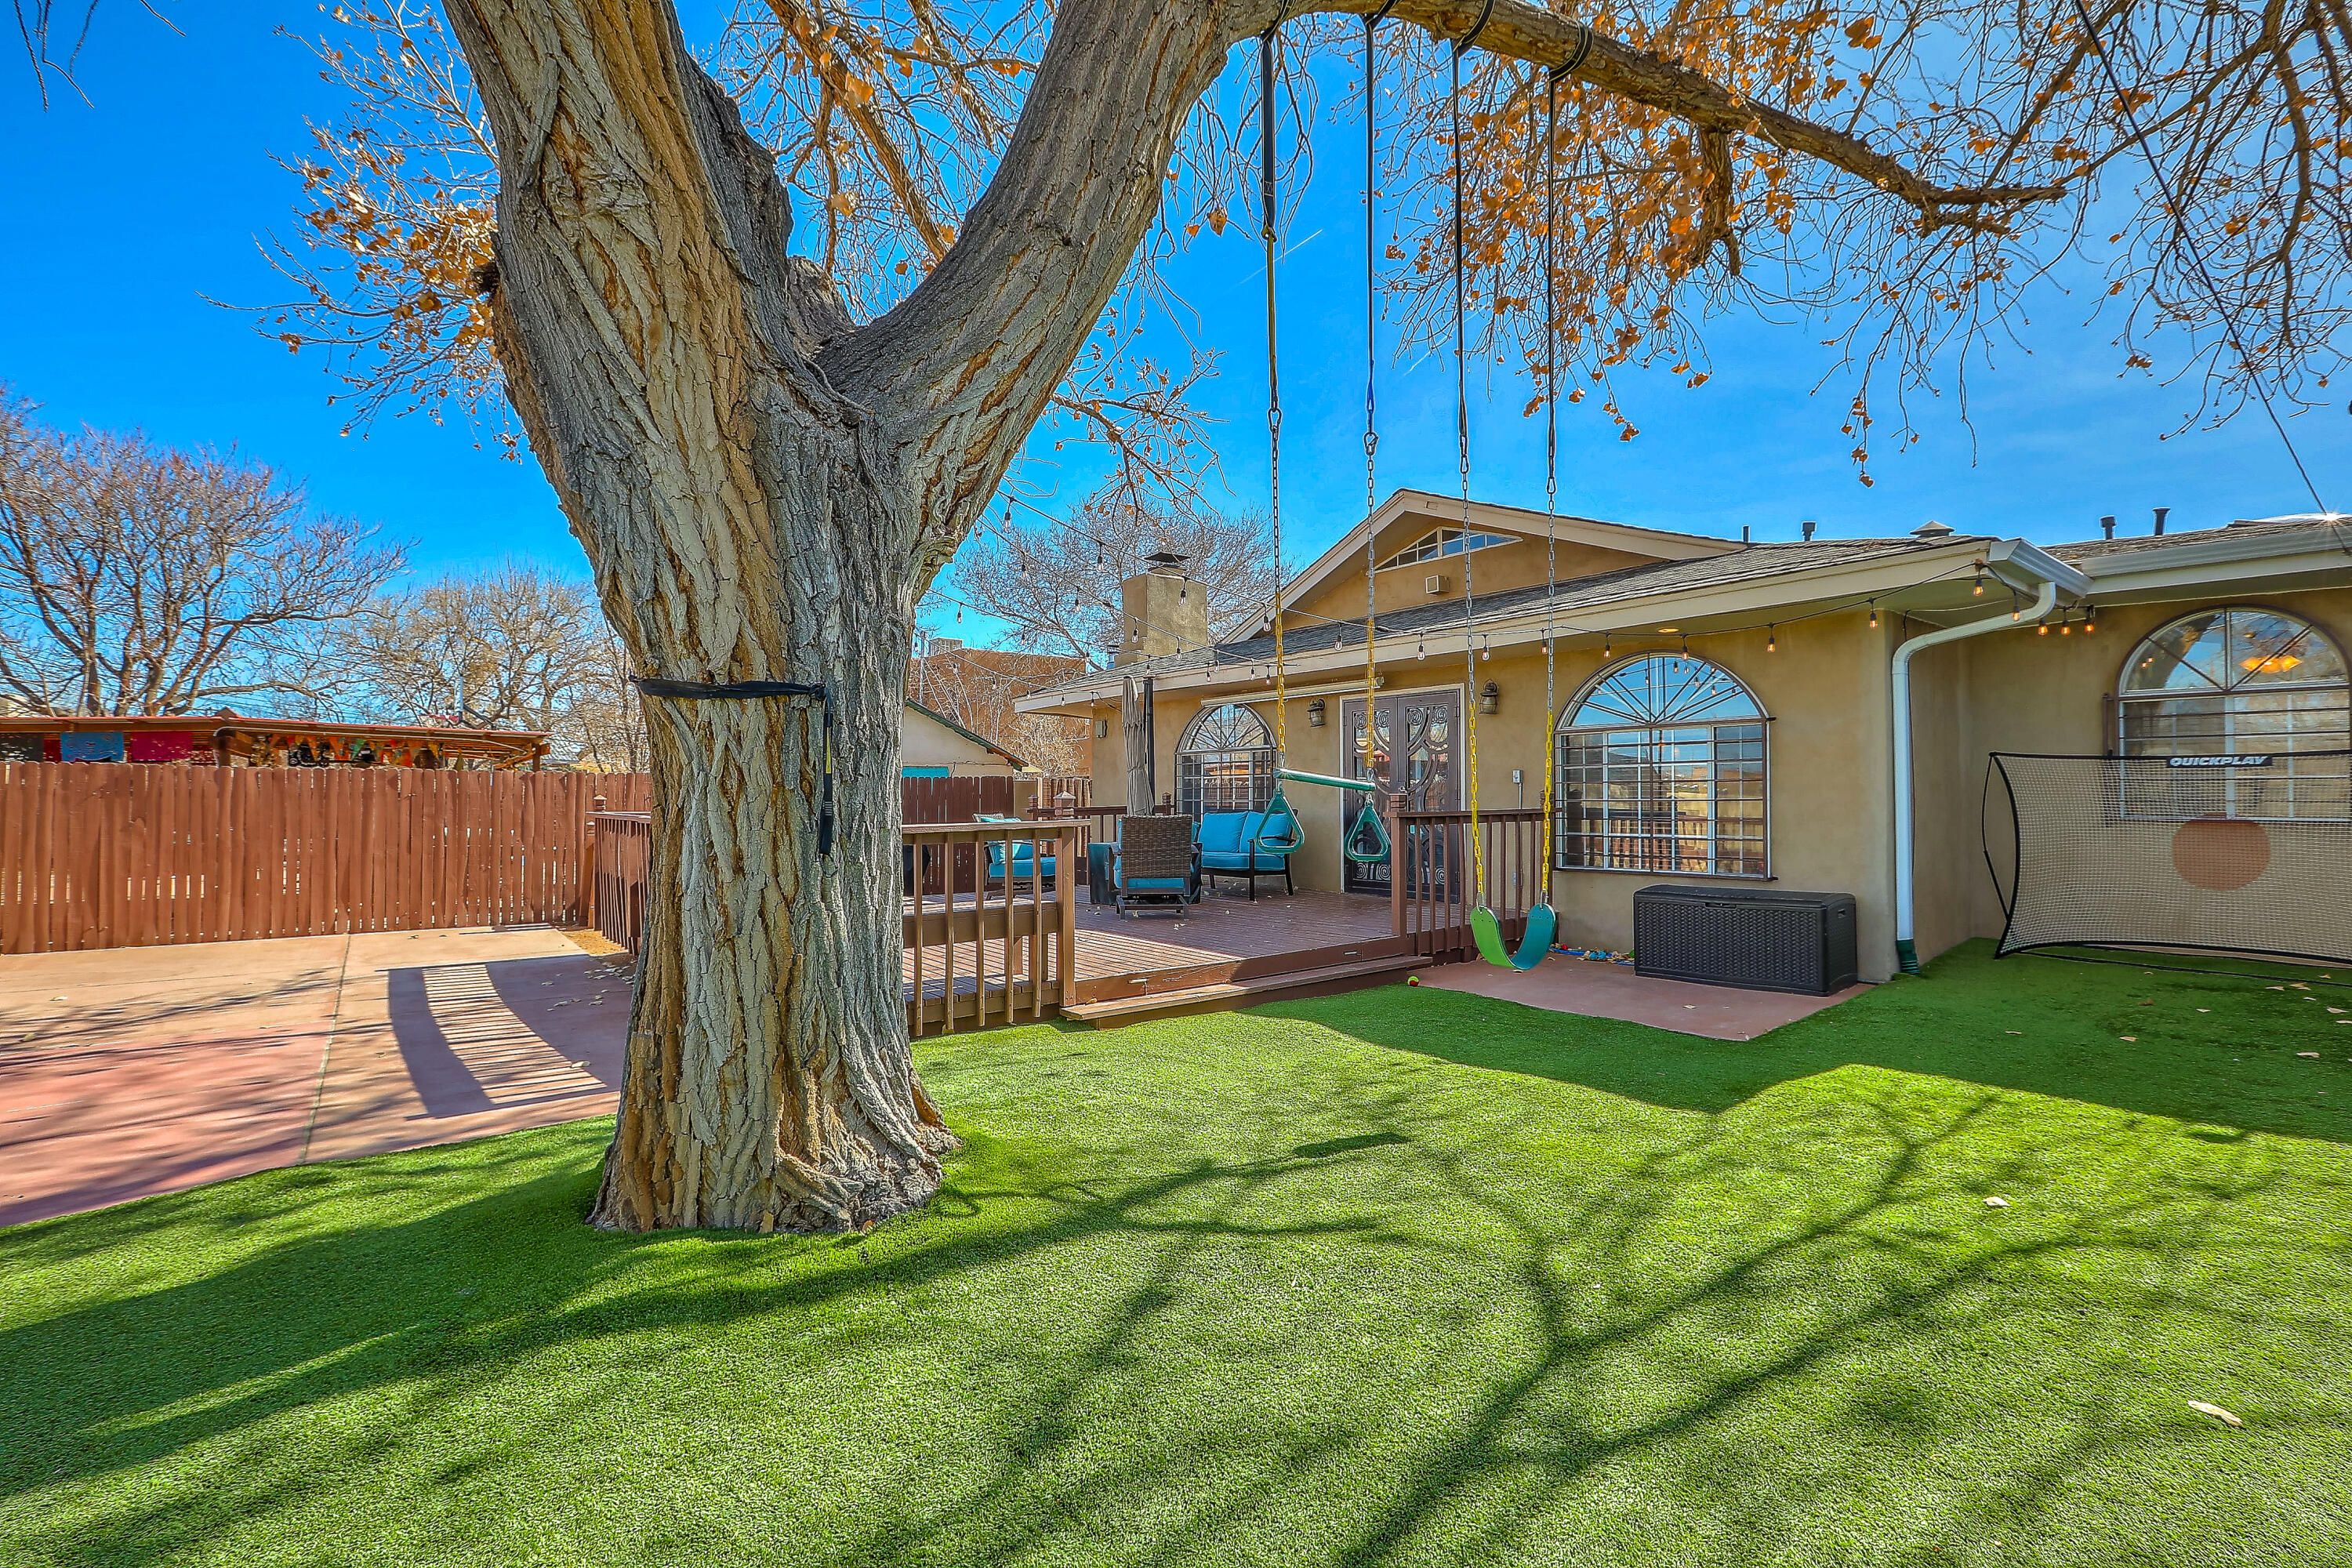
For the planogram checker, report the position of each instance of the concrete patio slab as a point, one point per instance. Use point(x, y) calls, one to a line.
point(133, 1071)
point(1613, 991)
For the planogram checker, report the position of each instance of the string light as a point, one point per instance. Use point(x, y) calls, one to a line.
point(1874, 614)
point(1772, 639)
point(2090, 620)
point(1979, 589)
point(2042, 630)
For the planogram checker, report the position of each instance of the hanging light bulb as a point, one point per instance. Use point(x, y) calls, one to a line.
point(1874, 614)
point(1604, 647)
point(1484, 651)
point(1979, 589)
point(2042, 630)
point(2016, 607)
point(2090, 620)
point(1772, 639)
point(1420, 650)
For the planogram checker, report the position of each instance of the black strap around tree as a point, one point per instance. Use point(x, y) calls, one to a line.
point(704, 692)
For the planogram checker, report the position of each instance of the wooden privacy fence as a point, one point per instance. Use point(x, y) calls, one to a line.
point(1430, 866)
point(928, 800)
point(97, 855)
point(622, 859)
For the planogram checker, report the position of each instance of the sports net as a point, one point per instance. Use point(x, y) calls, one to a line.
point(2241, 853)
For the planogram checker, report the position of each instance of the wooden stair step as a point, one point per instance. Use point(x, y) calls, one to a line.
point(1237, 993)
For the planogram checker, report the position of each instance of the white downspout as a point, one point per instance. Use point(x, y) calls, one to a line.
point(1906, 955)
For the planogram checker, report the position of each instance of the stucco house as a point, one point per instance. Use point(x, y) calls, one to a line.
point(1816, 714)
point(933, 746)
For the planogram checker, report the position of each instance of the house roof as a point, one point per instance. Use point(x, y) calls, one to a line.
point(1740, 564)
point(2257, 534)
point(974, 737)
point(1491, 517)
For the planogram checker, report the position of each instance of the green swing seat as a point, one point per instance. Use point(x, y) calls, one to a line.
point(1543, 924)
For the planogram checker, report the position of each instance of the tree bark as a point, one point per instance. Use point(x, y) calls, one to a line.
point(764, 491)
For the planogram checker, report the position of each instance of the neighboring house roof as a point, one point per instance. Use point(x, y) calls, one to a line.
point(977, 740)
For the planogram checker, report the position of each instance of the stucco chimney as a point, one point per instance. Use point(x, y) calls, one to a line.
point(1163, 612)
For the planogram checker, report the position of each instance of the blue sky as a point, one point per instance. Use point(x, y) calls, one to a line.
point(129, 214)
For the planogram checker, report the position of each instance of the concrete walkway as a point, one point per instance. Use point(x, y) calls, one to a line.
point(1613, 991)
point(131, 1071)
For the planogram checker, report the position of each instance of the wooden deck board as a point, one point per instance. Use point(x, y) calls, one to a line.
point(1219, 933)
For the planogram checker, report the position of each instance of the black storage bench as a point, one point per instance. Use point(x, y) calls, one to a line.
point(1760, 938)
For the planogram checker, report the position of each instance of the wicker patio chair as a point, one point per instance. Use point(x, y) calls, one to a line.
point(1154, 862)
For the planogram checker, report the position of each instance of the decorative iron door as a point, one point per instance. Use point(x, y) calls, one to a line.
point(1412, 757)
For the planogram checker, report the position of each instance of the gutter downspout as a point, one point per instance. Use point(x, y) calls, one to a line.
point(1906, 955)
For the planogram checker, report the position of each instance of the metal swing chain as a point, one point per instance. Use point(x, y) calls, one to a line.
point(1462, 446)
point(1371, 369)
point(1265, 81)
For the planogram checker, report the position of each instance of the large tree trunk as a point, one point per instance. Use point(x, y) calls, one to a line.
point(765, 491)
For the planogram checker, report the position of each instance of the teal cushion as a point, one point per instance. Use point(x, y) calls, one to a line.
point(1220, 832)
point(1153, 884)
point(1229, 860)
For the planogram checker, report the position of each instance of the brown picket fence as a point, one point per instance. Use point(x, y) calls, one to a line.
point(96, 854)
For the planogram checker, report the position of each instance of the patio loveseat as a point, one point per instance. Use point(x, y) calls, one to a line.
point(1230, 846)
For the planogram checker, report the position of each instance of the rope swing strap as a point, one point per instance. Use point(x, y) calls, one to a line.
point(731, 690)
point(1365, 745)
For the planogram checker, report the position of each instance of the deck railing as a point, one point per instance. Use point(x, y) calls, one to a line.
point(999, 942)
point(978, 947)
point(1431, 868)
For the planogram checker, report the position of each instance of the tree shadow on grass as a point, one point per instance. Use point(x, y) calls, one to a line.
point(1410, 1329)
point(2110, 1036)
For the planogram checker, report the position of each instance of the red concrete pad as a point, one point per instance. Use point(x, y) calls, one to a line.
point(450, 1034)
point(1613, 991)
point(142, 1070)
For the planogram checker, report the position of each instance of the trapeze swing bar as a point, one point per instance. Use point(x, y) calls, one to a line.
point(1327, 780)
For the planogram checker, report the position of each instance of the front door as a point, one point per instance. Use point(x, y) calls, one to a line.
point(1412, 760)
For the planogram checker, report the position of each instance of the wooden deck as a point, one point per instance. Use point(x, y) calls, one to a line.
point(1223, 940)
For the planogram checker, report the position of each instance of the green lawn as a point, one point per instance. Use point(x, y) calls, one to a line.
point(1399, 1277)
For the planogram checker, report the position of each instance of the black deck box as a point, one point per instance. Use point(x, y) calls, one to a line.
point(1757, 938)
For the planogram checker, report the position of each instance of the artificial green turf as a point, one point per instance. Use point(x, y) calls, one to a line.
point(1398, 1276)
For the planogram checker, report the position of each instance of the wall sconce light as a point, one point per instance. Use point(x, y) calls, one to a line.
point(1102, 729)
point(1490, 698)
point(1315, 713)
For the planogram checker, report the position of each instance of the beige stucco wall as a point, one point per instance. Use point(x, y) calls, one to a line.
point(924, 743)
point(1827, 773)
point(2014, 690)
point(1492, 570)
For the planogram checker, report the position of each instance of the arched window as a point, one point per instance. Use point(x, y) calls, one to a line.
point(2233, 681)
point(1224, 762)
point(1662, 769)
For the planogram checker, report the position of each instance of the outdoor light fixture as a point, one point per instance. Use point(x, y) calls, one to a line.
point(1315, 713)
point(1772, 639)
point(1490, 698)
point(1420, 650)
point(1874, 614)
point(1979, 589)
point(2042, 630)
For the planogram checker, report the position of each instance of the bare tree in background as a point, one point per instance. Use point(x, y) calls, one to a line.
point(136, 579)
point(517, 647)
point(1059, 583)
point(53, 35)
point(977, 688)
